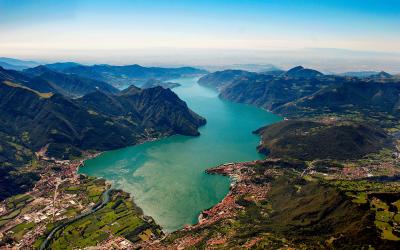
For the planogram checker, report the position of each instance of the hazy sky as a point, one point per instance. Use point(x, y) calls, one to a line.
point(91, 30)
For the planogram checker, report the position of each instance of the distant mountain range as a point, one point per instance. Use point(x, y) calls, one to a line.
point(75, 80)
point(66, 84)
point(118, 76)
point(123, 76)
point(44, 80)
point(367, 74)
point(252, 67)
point(16, 64)
point(60, 66)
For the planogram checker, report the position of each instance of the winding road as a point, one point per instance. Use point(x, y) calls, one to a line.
point(105, 199)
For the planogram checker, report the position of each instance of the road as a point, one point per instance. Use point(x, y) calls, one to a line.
point(105, 199)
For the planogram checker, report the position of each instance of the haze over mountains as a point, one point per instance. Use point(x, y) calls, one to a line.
point(123, 76)
point(118, 76)
point(16, 64)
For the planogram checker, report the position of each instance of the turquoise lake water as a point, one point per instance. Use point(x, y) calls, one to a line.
point(166, 177)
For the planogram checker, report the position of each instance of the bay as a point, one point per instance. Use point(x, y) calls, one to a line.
point(166, 177)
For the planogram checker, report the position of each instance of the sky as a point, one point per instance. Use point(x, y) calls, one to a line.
point(201, 31)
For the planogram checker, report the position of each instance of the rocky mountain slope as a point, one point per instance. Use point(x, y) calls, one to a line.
point(44, 80)
point(156, 109)
point(270, 92)
point(99, 121)
point(300, 92)
point(93, 122)
point(348, 96)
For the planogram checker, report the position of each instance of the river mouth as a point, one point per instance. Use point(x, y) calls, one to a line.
point(166, 177)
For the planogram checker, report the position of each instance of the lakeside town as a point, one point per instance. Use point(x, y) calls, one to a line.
point(251, 183)
point(59, 195)
point(63, 197)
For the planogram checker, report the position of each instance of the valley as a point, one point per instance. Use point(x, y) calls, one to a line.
point(166, 177)
point(210, 125)
point(337, 161)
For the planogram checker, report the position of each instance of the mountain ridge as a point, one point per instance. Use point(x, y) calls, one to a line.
point(69, 84)
point(64, 127)
point(291, 94)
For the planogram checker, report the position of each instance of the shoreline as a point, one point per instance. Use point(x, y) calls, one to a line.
point(87, 156)
point(239, 174)
point(131, 195)
point(209, 171)
point(225, 169)
point(56, 176)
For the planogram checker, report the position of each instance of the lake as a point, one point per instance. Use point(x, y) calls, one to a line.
point(166, 177)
